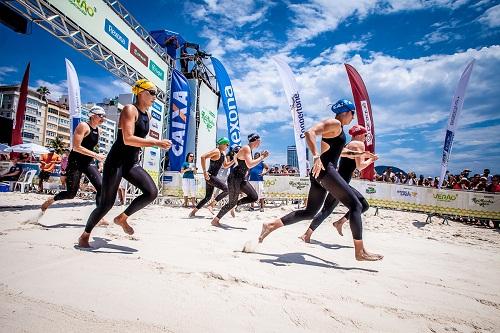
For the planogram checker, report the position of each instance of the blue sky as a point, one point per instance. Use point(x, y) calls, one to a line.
point(410, 54)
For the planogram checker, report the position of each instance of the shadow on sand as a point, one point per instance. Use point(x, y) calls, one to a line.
point(103, 243)
point(37, 206)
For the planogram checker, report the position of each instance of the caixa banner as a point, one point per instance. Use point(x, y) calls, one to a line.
point(229, 101)
point(179, 119)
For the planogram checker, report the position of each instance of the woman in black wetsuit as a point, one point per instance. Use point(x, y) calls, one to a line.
point(123, 158)
point(326, 179)
point(218, 160)
point(81, 158)
point(237, 181)
point(348, 163)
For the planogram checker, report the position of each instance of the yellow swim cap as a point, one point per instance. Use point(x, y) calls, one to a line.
point(142, 84)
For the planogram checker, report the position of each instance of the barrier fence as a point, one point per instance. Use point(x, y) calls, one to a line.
point(384, 195)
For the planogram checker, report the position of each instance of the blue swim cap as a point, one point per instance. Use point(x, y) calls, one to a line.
point(343, 105)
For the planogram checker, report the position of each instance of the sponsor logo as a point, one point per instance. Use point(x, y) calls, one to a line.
point(483, 202)
point(84, 7)
point(269, 182)
point(157, 106)
point(156, 115)
point(116, 34)
point(154, 134)
point(454, 111)
point(208, 118)
point(371, 190)
point(141, 56)
point(232, 116)
point(154, 124)
point(297, 112)
point(405, 193)
point(152, 153)
point(179, 119)
point(445, 197)
point(368, 123)
point(156, 69)
point(299, 185)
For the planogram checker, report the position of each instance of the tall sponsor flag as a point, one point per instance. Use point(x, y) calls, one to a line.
point(179, 119)
point(293, 97)
point(229, 101)
point(456, 107)
point(17, 126)
point(74, 100)
point(364, 114)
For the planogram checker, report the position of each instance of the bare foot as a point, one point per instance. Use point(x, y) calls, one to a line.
point(103, 223)
point(306, 237)
point(233, 214)
point(338, 225)
point(47, 203)
point(121, 220)
point(366, 257)
point(215, 222)
point(83, 241)
point(193, 213)
point(373, 254)
point(267, 228)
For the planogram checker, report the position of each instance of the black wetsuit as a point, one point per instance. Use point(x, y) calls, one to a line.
point(330, 181)
point(122, 161)
point(214, 182)
point(237, 182)
point(79, 163)
point(346, 168)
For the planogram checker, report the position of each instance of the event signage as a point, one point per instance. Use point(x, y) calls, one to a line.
point(207, 130)
point(155, 115)
point(229, 102)
point(364, 113)
point(455, 110)
point(74, 100)
point(100, 20)
point(179, 119)
point(152, 156)
point(295, 105)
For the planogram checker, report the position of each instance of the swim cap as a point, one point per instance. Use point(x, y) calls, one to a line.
point(142, 84)
point(97, 110)
point(357, 130)
point(223, 141)
point(343, 105)
point(253, 137)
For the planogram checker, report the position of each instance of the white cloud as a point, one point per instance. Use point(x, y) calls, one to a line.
point(104, 87)
point(491, 17)
point(56, 89)
point(6, 71)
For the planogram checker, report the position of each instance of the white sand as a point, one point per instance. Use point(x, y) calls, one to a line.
point(182, 275)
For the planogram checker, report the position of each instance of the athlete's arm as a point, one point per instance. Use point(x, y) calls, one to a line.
point(265, 170)
point(127, 125)
point(359, 149)
point(81, 131)
point(246, 155)
point(331, 127)
point(204, 157)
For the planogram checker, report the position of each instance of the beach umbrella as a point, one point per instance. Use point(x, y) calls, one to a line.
point(3, 147)
point(31, 148)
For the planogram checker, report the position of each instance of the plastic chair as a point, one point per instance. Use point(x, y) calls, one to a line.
point(26, 182)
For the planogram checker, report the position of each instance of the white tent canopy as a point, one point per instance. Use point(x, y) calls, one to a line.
point(3, 147)
point(31, 148)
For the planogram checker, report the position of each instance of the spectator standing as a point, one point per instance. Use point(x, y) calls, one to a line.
point(494, 187)
point(257, 180)
point(47, 166)
point(64, 165)
point(489, 178)
point(188, 182)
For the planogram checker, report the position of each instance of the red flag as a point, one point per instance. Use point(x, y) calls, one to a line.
point(364, 114)
point(17, 127)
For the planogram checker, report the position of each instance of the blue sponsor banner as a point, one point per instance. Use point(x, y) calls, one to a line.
point(229, 101)
point(156, 115)
point(179, 119)
point(116, 34)
point(157, 107)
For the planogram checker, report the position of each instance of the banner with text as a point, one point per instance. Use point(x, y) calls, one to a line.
point(152, 155)
point(179, 119)
point(229, 101)
point(74, 101)
point(207, 131)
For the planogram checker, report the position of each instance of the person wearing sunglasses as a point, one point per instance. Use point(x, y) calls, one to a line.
point(188, 170)
point(218, 160)
point(123, 161)
point(325, 179)
point(237, 181)
point(81, 158)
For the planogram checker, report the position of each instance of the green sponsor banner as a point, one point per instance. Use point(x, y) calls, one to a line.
point(156, 69)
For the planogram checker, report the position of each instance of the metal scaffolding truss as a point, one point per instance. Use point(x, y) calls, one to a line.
point(53, 21)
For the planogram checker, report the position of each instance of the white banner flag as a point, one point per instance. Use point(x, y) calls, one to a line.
point(456, 107)
point(74, 100)
point(293, 97)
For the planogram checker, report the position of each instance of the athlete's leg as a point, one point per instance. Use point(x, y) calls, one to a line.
point(233, 184)
point(251, 194)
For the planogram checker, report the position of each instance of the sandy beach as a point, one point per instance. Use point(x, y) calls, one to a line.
point(183, 275)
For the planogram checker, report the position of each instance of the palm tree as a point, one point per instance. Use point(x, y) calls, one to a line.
point(58, 145)
point(44, 92)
